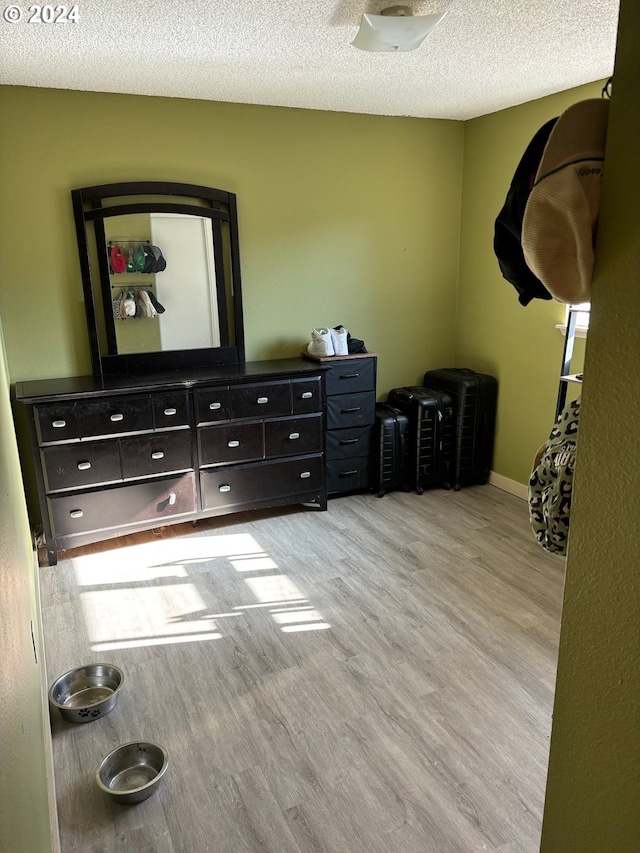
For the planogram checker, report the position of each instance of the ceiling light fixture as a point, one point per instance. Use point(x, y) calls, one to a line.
point(395, 29)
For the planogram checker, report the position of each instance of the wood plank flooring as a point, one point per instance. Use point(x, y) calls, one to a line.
point(373, 679)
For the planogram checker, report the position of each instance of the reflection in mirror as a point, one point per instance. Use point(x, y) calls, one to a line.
point(161, 276)
point(172, 308)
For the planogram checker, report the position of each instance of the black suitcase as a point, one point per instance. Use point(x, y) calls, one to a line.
point(390, 450)
point(475, 398)
point(431, 433)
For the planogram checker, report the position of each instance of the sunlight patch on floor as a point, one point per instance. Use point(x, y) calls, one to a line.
point(277, 588)
point(134, 616)
point(163, 558)
point(289, 609)
point(147, 595)
point(253, 563)
point(298, 619)
point(154, 641)
point(265, 604)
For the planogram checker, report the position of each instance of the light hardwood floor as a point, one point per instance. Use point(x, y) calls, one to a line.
point(373, 679)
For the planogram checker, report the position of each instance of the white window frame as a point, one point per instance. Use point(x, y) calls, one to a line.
point(582, 322)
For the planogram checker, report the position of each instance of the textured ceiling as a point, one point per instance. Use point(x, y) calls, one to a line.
point(484, 56)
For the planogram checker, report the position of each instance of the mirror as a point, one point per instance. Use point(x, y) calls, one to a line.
point(184, 313)
point(161, 276)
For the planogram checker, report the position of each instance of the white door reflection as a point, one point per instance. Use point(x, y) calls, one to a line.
point(187, 287)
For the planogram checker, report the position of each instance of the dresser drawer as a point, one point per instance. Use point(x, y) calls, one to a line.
point(347, 475)
point(350, 410)
point(306, 395)
point(260, 484)
point(290, 436)
point(348, 376)
point(170, 410)
point(212, 404)
point(81, 464)
point(113, 415)
point(345, 443)
point(156, 453)
point(56, 422)
point(122, 506)
point(231, 443)
point(261, 400)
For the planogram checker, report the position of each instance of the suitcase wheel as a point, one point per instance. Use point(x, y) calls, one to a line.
point(446, 486)
point(419, 490)
point(381, 493)
point(457, 487)
point(406, 488)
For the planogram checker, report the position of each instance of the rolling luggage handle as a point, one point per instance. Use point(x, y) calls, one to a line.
point(402, 451)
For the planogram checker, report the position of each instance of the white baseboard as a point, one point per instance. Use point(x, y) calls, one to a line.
point(46, 724)
point(512, 486)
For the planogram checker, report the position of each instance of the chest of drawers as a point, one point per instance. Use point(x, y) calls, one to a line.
point(115, 456)
point(351, 399)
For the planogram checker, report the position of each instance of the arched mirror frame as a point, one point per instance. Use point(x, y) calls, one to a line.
point(97, 203)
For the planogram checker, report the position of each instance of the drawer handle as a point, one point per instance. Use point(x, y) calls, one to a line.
point(215, 405)
point(233, 443)
point(84, 466)
point(349, 441)
point(294, 435)
point(305, 475)
point(169, 412)
point(348, 473)
point(352, 409)
point(171, 498)
point(157, 454)
point(262, 400)
point(59, 424)
point(307, 395)
point(225, 488)
point(349, 375)
point(76, 513)
point(117, 417)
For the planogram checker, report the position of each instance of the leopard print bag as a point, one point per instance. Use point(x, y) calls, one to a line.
point(551, 482)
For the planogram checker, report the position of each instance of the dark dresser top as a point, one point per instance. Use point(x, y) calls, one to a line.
point(41, 390)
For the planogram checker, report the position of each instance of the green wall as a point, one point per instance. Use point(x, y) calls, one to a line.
point(24, 804)
point(593, 790)
point(343, 218)
point(494, 333)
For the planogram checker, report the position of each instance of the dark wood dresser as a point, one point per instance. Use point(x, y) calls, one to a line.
point(125, 453)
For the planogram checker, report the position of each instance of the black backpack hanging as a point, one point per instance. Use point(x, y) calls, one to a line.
point(508, 226)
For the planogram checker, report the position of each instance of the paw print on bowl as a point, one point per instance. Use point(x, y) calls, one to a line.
point(90, 713)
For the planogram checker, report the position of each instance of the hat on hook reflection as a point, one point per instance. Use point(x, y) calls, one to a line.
point(154, 260)
point(117, 260)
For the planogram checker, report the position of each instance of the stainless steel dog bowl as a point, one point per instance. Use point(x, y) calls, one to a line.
point(87, 692)
point(132, 772)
